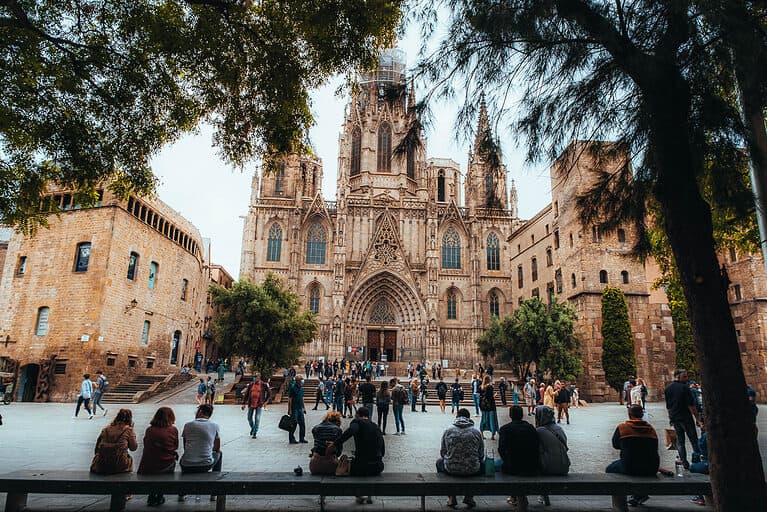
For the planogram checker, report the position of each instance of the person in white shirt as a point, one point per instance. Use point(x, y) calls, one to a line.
point(86, 392)
point(202, 445)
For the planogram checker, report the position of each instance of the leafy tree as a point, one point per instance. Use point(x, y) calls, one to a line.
point(92, 89)
point(618, 358)
point(656, 77)
point(535, 334)
point(262, 322)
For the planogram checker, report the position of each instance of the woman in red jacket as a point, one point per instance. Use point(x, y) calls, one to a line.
point(160, 449)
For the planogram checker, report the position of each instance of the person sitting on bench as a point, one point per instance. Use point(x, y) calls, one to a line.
point(202, 445)
point(462, 452)
point(518, 450)
point(638, 443)
point(369, 452)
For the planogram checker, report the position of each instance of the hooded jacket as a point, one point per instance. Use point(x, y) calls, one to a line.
point(552, 446)
point(462, 449)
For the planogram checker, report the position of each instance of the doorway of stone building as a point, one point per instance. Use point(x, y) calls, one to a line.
point(382, 342)
point(174, 347)
point(27, 383)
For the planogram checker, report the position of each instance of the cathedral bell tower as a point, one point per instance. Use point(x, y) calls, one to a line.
point(485, 185)
point(376, 120)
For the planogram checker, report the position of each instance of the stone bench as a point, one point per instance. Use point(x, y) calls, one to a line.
point(19, 484)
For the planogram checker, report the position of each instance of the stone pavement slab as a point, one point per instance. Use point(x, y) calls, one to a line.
point(44, 436)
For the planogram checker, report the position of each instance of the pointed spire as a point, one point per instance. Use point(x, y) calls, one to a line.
point(483, 124)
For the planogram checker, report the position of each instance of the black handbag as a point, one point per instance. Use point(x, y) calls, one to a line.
point(287, 423)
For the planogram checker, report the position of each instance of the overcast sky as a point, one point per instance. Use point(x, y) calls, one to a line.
point(197, 183)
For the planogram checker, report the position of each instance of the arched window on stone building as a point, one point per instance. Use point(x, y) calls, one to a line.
point(83, 256)
point(314, 300)
point(451, 249)
point(279, 180)
point(274, 243)
point(574, 283)
point(520, 277)
point(603, 276)
point(41, 326)
point(625, 277)
point(534, 264)
point(384, 148)
point(452, 305)
point(493, 247)
point(549, 257)
point(316, 241)
point(621, 235)
point(495, 305)
point(355, 164)
point(441, 185)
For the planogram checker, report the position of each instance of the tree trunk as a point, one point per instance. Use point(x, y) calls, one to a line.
point(737, 476)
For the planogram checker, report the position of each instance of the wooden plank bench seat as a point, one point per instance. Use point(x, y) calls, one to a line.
point(19, 484)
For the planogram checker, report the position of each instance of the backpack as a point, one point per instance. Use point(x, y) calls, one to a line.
point(103, 384)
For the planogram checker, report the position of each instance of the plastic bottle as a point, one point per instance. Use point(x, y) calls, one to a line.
point(679, 467)
point(490, 463)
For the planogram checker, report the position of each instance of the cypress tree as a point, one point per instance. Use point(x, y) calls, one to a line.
point(618, 358)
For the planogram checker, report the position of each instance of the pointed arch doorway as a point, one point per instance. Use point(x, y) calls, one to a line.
point(382, 332)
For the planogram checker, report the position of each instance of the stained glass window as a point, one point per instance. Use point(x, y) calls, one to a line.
point(493, 252)
point(452, 306)
point(314, 300)
point(274, 243)
point(316, 240)
point(382, 313)
point(451, 249)
point(495, 305)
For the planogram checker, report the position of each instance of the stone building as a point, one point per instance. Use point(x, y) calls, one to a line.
point(403, 265)
point(119, 287)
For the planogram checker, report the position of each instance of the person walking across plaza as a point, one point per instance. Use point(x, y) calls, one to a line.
point(84, 398)
point(202, 445)
point(349, 398)
point(548, 395)
point(210, 391)
point(456, 395)
point(475, 385)
point(413, 390)
point(338, 395)
point(367, 392)
point(562, 401)
point(383, 400)
point(487, 405)
point(253, 399)
point(638, 444)
point(503, 386)
point(370, 449)
point(297, 410)
point(683, 415)
point(112, 446)
point(423, 391)
point(324, 459)
point(529, 391)
point(320, 395)
point(461, 452)
point(102, 384)
point(202, 391)
point(441, 389)
point(399, 399)
point(160, 449)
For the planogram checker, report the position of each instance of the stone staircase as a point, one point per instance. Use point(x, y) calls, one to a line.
point(143, 387)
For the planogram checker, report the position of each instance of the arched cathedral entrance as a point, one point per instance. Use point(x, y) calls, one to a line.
point(385, 316)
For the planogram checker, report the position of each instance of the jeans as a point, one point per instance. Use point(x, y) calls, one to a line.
point(383, 414)
point(81, 401)
point(475, 397)
point(318, 398)
point(413, 399)
point(298, 415)
point(97, 401)
point(489, 422)
point(455, 404)
point(616, 466)
point(338, 404)
point(399, 421)
point(254, 420)
point(215, 466)
point(369, 407)
point(686, 427)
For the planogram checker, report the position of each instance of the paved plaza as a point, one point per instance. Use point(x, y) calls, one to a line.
point(44, 436)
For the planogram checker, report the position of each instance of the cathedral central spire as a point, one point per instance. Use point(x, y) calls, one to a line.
point(483, 124)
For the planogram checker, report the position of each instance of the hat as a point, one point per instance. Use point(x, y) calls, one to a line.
point(693, 382)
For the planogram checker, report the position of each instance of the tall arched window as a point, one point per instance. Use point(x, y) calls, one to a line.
point(573, 280)
point(451, 249)
point(152, 275)
point(534, 269)
point(174, 347)
point(314, 300)
point(452, 306)
point(355, 164)
point(520, 277)
point(493, 247)
point(274, 243)
point(549, 258)
point(411, 163)
point(603, 276)
point(384, 148)
point(441, 185)
point(279, 180)
point(625, 277)
point(621, 235)
point(83, 256)
point(495, 305)
point(41, 326)
point(316, 240)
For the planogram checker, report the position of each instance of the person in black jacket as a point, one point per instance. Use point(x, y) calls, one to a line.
point(638, 443)
point(369, 448)
point(441, 394)
point(518, 450)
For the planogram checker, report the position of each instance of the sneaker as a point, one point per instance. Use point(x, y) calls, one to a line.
point(90, 417)
point(74, 417)
point(254, 436)
point(105, 412)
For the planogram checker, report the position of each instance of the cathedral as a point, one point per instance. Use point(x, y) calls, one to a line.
point(414, 257)
point(403, 266)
